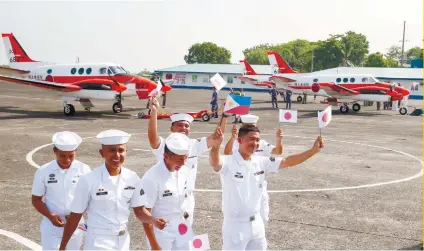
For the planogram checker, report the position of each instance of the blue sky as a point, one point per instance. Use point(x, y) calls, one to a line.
point(157, 34)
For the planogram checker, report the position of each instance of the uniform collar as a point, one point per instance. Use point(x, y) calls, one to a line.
point(57, 167)
point(240, 159)
point(106, 175)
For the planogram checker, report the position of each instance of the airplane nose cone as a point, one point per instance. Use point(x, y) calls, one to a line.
point(166, 88)
point(121, 88)
point(315, 87)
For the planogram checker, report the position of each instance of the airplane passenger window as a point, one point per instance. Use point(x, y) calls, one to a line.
point(81, 71)
point(352, 80)
point(73, 71)
point(103, 70)
point(364, 80)
point(49, 71)
point(88, 71)
point(345, 80)
point(338, 80)
point(315, 80)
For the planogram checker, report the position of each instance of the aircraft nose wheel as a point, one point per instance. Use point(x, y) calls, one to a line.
point(206, 117)
point(69, 110)
point(344, 109)
point(403, 111)
point(356, 107)
point(117, 107)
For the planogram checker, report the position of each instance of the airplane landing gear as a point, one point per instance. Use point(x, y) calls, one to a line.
point(68, 110)
point(356, 107)
point(117, 107)
point(299, 98)
point(344, 108)
point(403, 110)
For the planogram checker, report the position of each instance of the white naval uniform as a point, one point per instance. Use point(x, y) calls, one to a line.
point(242, 190)
point(107, 201)
point(166, 194)
point(198, 147)
point(57, 186)
point(265, 150)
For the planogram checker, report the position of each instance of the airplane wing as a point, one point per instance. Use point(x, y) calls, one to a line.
point(42, 84)
point(278, 78)
point(338, 90)
point(11, 71)
point(247, 79)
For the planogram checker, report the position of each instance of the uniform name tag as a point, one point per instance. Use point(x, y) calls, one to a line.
point(52, 181)
point(101, 193)
point(166, 194)
point(238, 176)
point(129, 188)
point(259, 173)
point(259, 150)
point(192, 157)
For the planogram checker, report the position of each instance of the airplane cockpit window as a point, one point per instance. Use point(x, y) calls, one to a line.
point(374, 80)
point(103, 70)
point(117, 69)
point(122, 68)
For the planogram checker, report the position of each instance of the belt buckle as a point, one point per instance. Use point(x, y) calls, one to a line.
point(252, 218)
point(122, 232)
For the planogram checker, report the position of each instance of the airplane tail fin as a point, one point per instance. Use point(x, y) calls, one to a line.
point(247, 69)
point(18, 58)
point(278, 64)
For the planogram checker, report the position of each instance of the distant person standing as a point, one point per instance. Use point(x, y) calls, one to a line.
point(274, 94)
point(214, 103)
point(288, 99)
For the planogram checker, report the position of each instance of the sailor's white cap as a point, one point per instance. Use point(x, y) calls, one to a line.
point(113, 137)
point(249, 119)
point(178, 143)
point(182, 116)
point(66, 141)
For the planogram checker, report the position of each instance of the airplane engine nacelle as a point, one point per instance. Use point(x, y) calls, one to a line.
point(315, 87)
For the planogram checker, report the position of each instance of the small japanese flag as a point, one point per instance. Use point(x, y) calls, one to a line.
point(156, 91)
point(289, 116)
point(218, 82)
point(324, 117)
point(200, 242)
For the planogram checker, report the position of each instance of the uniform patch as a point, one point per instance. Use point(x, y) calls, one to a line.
point(141, 191)
point(129, 188)
point(190, 157)
point(51, 175)
point(101, 193)
point(259, 150)
point(238, 175)
point(272, 159)
point(52, 181)
point(166, 193)
point(259, 173)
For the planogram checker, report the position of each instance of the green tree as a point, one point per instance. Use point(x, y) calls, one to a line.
point(414, 53)
point(394, 53)
point(207, 53)
point(327, 54)
point(257, 54)
point(375, 60)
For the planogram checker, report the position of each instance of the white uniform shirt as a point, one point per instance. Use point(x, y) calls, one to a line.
point(242, 183)
point(198, 147)
point(264, 149)
point(106, 198)
point(57, 185)
point(163, 191)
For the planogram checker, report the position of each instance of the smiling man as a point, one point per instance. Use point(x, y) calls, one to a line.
point(105, 194)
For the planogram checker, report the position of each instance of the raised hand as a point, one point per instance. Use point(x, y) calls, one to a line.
point(234, 131)
point(318, 144)
point(154, 104)
point(217, 138)
point(279, 133)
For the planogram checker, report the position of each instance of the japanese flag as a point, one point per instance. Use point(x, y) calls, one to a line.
point(324, 117)
point(200, 242)
point(289, 116)
point(218, 82)
point(156, 91)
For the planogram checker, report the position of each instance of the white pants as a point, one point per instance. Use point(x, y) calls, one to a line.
point(50, 241)
point(190, 210)
point(170, 239)
point(96, 241)
point(265, 204)
point(247, 235)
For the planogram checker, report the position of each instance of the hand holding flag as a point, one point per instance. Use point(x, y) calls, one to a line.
point(324, 117)
point(156, 92)
point(237, 104)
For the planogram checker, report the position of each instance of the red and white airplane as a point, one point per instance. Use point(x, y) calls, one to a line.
point(76, 82)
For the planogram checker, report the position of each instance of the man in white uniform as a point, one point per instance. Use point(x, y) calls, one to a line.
point(56, 182)
point(242, 176)
point(105, 194)
point(163, 191)
point(265, 149)
point(181, 123)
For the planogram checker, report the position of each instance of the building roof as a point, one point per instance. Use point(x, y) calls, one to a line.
point(216, 68)
point(379, 72)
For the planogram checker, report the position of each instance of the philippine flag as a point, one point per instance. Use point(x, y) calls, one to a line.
point(237, 104)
